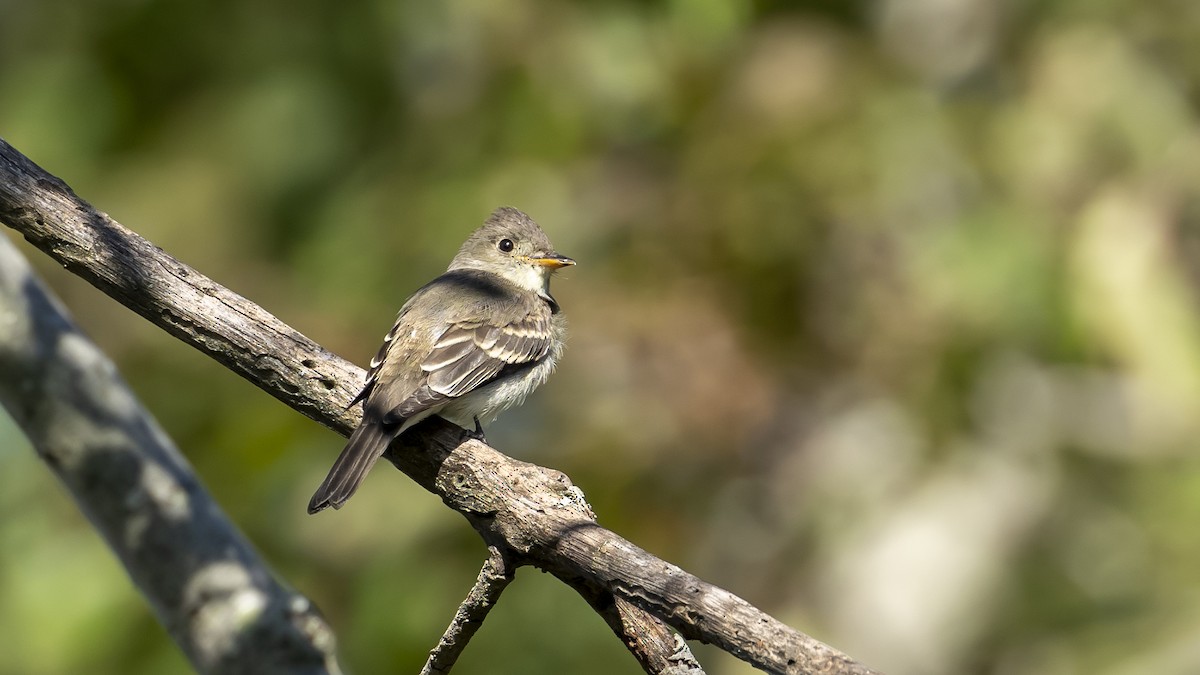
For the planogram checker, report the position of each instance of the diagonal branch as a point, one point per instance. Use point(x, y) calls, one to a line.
point(495, 576)
point(533, 513)
point(218, 601)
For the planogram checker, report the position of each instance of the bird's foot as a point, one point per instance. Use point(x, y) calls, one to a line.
point(477, 434)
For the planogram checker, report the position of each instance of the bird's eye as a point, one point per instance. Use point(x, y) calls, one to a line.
point(505, 245)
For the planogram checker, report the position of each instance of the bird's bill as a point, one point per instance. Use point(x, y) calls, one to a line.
point(553, 261)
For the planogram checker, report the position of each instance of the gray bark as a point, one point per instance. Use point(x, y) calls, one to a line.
point(534, 514)
point(204, 582)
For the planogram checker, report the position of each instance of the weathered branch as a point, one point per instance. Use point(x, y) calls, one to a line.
point(208, 588)
point(532, 513)
point(493, 579)
point(658, 648)
point(204, 314)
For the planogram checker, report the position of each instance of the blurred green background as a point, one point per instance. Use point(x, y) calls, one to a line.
point(885, 318)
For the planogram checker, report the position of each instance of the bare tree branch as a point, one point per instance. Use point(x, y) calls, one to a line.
point(493, 579)
point(208, 588)
point(658, 648)
point(534, 514)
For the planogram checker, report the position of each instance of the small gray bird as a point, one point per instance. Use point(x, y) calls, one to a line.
point(466, 346)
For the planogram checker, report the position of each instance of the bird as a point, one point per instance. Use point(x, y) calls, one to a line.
point(466, 346)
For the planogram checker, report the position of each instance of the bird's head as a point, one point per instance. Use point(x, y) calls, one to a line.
point(512, 245)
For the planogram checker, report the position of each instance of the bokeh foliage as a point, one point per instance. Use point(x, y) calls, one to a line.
point(886, 317)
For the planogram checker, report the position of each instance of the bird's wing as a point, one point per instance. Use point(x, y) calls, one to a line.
point(377, 361)
point(471, 354)
point(481, 317)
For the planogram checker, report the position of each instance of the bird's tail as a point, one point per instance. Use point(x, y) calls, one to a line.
point(366, 444)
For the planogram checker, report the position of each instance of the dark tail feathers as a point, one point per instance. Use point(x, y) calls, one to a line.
point(366, 444)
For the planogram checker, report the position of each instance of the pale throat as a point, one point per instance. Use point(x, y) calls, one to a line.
point(530, 277)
